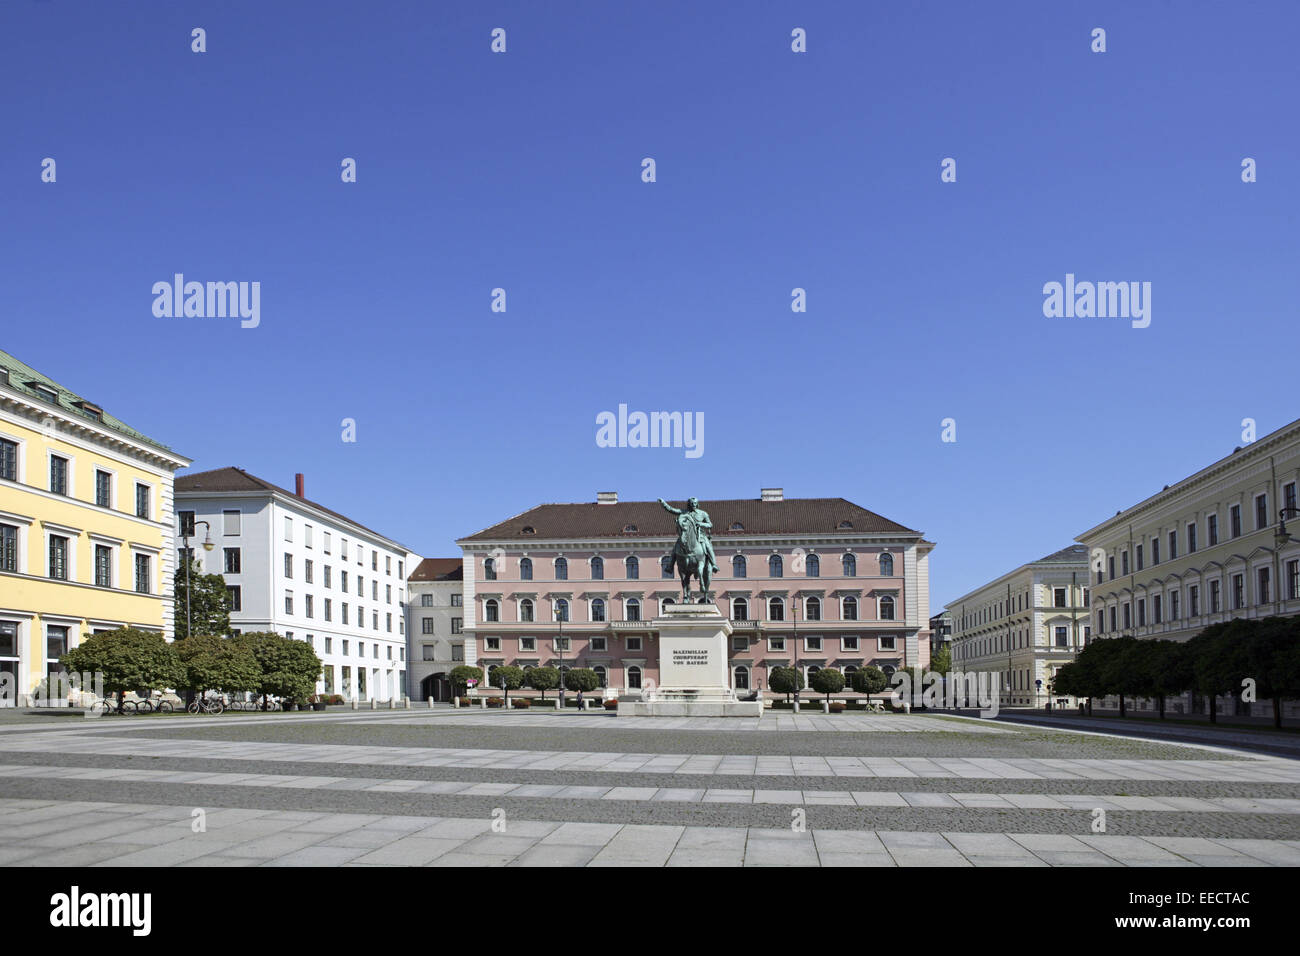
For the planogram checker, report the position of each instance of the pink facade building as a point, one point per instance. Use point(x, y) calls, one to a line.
point(820, 581)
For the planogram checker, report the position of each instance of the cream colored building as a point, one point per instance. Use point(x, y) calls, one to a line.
point(1023, 626)
point(1207, 549)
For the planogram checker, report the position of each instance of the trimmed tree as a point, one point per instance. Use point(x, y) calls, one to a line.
point(870, 680)
point(209, 662)
point(508, 677)
point(1219, 661)
point(581, 679)
point(785, 680)
point(1273, 659)
point(941, 661)
point(209, 602)
point(542, 678)
point(461, 675)
point(288, 668)
point(827, 681)
point(128, 658)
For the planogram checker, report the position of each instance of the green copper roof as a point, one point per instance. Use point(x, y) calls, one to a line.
point(22, 378)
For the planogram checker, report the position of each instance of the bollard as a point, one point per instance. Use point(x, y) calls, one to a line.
point(354, 703)
point(392, 703)
point(431, 703)
point(482, 703)
point(557, 703)
point(796, 707)
point(826, 708)
point(407, 703)
point(373, 703)
point(455, 702)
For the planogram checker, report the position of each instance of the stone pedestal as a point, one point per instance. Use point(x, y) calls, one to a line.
point(694, 676)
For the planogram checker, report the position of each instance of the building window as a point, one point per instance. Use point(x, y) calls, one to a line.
point(231, 562)
point(1261, 511)
point(1140, 564)
point(58, 557)
point(562, 610)
point(1157, 609)
point(525, 569)
point(309, 606)
point(236, 596)
point(8, 459)
point(229, 521)
point(143, 563)
point(1215, 600)
point(489, 569)
point(1173, 545)
point(427, 652)
point(776, 643)
point(103, 489)
point(58, 475)
point(457, 599)
point(598, 609)
point(888, 643)
point(561, 569)
point(491, 611)
point(742, 678)
point(288, 565)
point(527, 643)
point(1191, 537)
point(886, 608)
point(632, 567)
point(1193, 600)
point(887, 565)
point(1263, 586)
point(103, 566)
point(598, 568)
point(634, 678)
point(9, 548)
point(1062, 637)
point(426, 625)
point(1128, 615)
point(1058, 597)
point(1292, 580)
point(632, 609)
point(598, 644)
point(774, 566)
point(775, 609)
point(426, 600)
point(1123, 562)
point(328, 575)
point(812, 609)
point(329, 609)
point(812, 643)
point(1212, 529)
point(666, 566)
point(812, 566)
point(526, 609)
point(634, 643)
point(288, 529)
point(1234, 521)
point(288, 602)
point(1142, 612)
point(849, 565)
point(601, 676)
point(307, 572)
point(739, 609)
point(848, 642)
point(494, 643)
point(1110, 562)
point(738, 567)
point(1238, 592)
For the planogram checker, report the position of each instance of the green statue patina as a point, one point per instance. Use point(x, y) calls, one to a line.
point(693, 552)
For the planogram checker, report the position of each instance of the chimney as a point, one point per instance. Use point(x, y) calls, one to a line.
point(773, 494)
point(298, 485)
point(607, 497)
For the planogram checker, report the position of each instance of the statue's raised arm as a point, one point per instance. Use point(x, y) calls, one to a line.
point(669, 508)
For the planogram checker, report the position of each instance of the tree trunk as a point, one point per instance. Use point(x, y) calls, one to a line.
point(1161, 700)
point(1122, 712)
point(1214, 709)
point(1277, 712)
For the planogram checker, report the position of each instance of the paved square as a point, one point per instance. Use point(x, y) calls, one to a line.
point(467, 788)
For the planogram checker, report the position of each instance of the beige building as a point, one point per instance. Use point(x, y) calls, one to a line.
point(1207, 549)
point(1023, 626)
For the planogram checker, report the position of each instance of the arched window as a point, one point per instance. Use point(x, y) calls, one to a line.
point(739, 609)
point(812, 566)
point(491, 610)
point(742, 678)
point(849, 609)
point(849, 671)
point(775, 609)
point(812, 669)
point(561, 569)
point(598, 568)
point(489, 569)
point(633, 609)
point(886, 608)
point(668, 601)
point(887, 565)
point(525, 569)
point(738, 566)
point(562, 609)
point(492, 676)
point(634, 678)
point(633, 567)
point(737, 526)
point(812, 610)
point(598, 609)
point(888, 670)
point(774, 567)
point(850, 565)
point(666, 566)
point(600, 676)
point(526, 609)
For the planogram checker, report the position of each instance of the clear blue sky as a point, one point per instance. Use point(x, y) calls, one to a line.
point(775, 170)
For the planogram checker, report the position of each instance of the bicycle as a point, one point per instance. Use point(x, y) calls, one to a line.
point(206, 705)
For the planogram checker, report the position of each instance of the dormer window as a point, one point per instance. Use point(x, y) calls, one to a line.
point(845, 526)
point(44, 391)
point(93, 412)
point(629, 529)
point(528, 529)
point(737, 526)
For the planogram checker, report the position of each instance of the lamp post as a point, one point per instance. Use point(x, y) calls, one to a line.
point(559, 646)
point(794, 640)
point(1280, 540)
point(208, 545)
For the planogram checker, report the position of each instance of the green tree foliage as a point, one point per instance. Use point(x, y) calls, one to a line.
point(786, 680)
point(209, 662)
point(128, 658)
point(941, 660)
point(507, 677)
point(287, 668)
point(542, 678)
point(827, 681)
point(581, 679)
point(462, 674)
point(1272, 653)
point(209, 602)
point(1219, 661)
point(870, 680)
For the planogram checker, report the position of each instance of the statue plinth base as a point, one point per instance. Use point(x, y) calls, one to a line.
point(694, 673)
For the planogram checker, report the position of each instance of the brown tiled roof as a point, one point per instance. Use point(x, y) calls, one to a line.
point(236, 479)
point(438, 569)
point(756, 517)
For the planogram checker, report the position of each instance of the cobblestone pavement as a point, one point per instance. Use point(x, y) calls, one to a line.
point(575, 789)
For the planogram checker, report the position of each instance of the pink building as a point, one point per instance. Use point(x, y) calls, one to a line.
point(818, 579)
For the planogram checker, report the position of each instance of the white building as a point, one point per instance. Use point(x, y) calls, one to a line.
point(299, 569)
point(1021, 627)
point(435, 638)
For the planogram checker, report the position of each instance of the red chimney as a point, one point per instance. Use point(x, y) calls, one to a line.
point(298, 484)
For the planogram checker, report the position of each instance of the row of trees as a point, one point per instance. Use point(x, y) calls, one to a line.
point(264, 662)
point(1259, 659)
point(508, 677)
point(827, 680)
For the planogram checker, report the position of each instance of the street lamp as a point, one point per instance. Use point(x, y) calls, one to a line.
point(1280, 537)
point(794, 640)
point(559, 646)
point(208, 545)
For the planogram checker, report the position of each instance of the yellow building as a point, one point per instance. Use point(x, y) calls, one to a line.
point(86, 526)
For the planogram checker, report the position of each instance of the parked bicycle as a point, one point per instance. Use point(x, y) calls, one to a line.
point(207, 705)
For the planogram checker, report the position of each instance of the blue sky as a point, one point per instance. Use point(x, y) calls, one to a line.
point(775, 170)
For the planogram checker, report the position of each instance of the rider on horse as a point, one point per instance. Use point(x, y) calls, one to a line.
point(693, 513)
